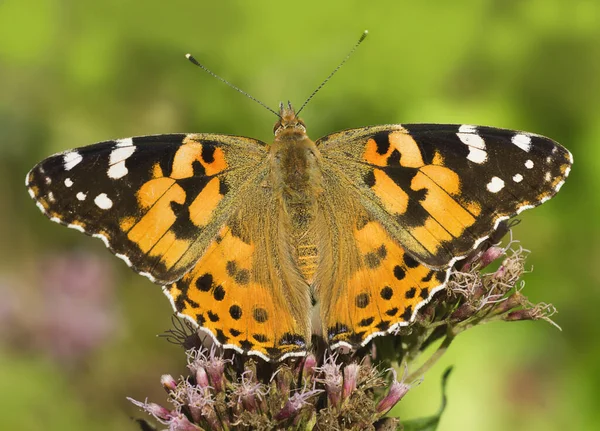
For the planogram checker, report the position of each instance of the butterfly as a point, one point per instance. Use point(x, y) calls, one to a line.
point(262, 245)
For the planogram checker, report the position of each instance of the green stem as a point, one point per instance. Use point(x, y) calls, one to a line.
point(433, 358)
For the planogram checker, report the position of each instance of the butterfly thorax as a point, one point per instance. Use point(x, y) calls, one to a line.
point(295, 166)
point(296, 179)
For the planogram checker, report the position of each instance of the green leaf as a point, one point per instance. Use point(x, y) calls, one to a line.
point(429, 423)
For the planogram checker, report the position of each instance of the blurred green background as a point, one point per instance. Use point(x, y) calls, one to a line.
point(77, 328)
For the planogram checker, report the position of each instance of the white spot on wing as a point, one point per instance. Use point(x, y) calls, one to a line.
point(468, 136)
point(529, 164)
point(68, 182)
point(495, 185)
point(55, 219)
point(479, 241)
point(118, 170)
point(124, 259)
point(81, 196)
point(51, 197)
point(48, 180)
point(467, 128)
point(477, 156)
point(524, 207)
point(548, 176)
point(31, 193)
point(518, 178)
point(522, 141)
point(148, 276)
point(103, 202)
point(41, 207)
point(126, 142)
point(76, 227)
point(71, 159)
point(117, 159)
point(103, 238)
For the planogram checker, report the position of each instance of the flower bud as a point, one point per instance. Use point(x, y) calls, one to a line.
point(293, 405)
point(308, 366)
point(395, 394)
point(350, 379)
point(202, 378)
point(332, 379)
point(513, 301)
point(159, 412)
point(181, 423)
point(490, 255)
point(168, 382)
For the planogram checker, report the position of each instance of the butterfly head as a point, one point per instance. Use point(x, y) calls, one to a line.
point(288, 122)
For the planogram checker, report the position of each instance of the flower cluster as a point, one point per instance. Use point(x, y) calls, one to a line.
point(240, 393)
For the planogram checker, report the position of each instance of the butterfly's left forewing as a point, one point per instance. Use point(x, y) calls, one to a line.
point(155, 201)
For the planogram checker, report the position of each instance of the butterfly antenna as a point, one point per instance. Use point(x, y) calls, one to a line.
point(214, 75)
point(362, 37)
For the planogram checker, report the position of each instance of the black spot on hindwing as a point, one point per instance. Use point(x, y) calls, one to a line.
point(204, 282)
point(362, 300)
point(235, 312)
point(410, 293)
point(260, 314)
point(219, 293)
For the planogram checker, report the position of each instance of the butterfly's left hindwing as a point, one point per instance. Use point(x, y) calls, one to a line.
point(155, 201)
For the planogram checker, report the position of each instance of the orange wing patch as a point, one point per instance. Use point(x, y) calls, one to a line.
point(410, 154)
point(383, 294)
point(190, 152)
point(170, 206)
point(157, 195)
point(444, 214)
point(393, 198)
point(201, 209)
point(221, 294)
